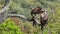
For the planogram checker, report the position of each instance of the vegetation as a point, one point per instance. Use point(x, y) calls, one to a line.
point(20, 26)
point(9, 27)
point(1, 3)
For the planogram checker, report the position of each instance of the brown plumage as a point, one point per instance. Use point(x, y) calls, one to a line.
point(43, 19)
point(36, 10)
point(43, 16)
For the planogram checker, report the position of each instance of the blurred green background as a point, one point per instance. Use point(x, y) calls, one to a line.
point(19, 26)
